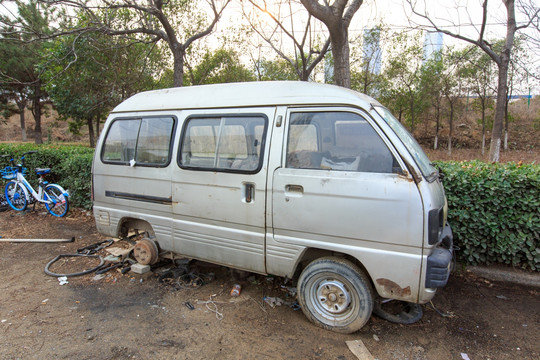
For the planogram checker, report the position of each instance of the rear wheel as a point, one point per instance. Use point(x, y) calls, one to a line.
point(335, 294)
point(59, 204)
point(16, 196)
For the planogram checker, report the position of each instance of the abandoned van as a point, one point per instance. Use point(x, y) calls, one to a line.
point(300, 180)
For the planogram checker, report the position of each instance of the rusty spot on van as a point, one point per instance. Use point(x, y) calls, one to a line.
point(394, 289)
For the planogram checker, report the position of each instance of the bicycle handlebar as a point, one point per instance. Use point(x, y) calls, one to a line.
point(24, 154)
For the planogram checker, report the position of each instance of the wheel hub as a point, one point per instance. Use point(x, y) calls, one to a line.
point(333, 296)
point(146, 252)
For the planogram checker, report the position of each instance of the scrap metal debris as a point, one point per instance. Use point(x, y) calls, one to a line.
point(181, 277)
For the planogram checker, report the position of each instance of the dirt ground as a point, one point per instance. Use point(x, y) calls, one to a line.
point(137, 317)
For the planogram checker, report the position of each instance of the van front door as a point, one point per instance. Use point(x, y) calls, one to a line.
point(219, 189)
point(342, 189)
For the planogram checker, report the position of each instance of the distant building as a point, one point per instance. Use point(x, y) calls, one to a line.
point(432, 44)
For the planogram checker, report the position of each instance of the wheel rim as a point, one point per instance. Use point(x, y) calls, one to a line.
point(15, 196)
point(332, 296)
point(58, 205)
point(332, 299)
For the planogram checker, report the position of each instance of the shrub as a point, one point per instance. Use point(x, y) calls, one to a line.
point(494, 212)
point(493, 208)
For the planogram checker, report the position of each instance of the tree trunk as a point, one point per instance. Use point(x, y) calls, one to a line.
point(483, 102)
point(178, 65)
point(411, 108)
point(98, 124)
point(498, 121)
point(90, 124)
point(506, 124)
point(36, 111)
point(437, 125)
point(22, 105)
point(337, 17)
point(450, 123)
point(341, 52)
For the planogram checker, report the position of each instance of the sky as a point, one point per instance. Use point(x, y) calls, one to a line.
point(396, 15)
point(459, 16)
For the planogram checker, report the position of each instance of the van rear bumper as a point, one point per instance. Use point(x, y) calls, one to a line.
point(439, 261)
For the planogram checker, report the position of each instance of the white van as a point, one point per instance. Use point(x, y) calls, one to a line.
point(283, 178)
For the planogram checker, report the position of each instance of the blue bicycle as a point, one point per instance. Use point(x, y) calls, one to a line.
point(19, 192)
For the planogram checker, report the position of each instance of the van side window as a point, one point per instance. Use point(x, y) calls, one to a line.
point(231, 144)
point(146, 141)
point(339, 141)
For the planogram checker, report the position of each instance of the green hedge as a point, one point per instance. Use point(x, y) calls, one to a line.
point(70, 167)
point(494, 210)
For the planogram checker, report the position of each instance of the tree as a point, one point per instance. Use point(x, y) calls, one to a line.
point(452, 90)
point(21, 50)
point(279, 69)
point(178, 23)
point(337, 16)
point(220, 66)
point(431, 79)
point(403, 72)
point(368, 77)
point(89, 73)
point(478, 73)
point(309, 49)
point(502, 57)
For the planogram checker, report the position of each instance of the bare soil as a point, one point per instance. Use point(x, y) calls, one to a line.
point(138, 317)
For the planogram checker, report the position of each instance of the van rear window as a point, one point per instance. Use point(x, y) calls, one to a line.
point(141, 142)
point(231, 144)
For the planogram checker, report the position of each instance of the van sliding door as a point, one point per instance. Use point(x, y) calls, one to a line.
point(219, 188)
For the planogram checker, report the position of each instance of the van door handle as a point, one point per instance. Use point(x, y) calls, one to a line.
point(294, 189)
point(249, 192)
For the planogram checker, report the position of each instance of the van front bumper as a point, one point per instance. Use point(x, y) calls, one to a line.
point(440, 260)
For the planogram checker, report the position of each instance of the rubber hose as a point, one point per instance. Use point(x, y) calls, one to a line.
point(48, 272)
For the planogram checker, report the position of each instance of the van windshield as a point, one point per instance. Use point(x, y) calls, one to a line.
point(427, 169)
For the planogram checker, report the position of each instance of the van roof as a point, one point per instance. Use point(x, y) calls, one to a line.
point(260, 93)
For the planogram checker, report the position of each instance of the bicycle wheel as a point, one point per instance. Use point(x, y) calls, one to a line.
point(16, 196)
point(59, 204)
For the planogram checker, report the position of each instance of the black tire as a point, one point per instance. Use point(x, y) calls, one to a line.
point(335, 295)
point(61, 203)
point(399, 312)
point(16, 196)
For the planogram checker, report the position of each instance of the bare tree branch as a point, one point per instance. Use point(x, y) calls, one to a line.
point(303, 61)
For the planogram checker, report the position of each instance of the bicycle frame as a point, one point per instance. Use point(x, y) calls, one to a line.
point(40, 195)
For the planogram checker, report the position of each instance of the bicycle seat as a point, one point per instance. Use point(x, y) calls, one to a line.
point(43, 171)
